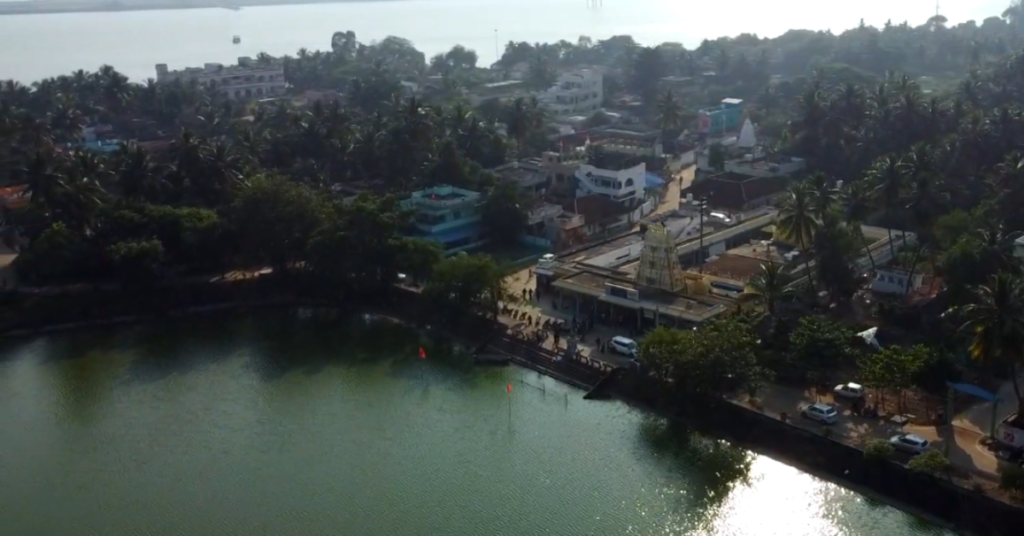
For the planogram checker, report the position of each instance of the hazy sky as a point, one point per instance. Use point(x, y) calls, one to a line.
point(35, 46)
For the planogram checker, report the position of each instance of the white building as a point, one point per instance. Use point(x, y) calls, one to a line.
point(892, 280)
point(248, 80)
point(625, 186)
point(576, 93)
point(1018, 248)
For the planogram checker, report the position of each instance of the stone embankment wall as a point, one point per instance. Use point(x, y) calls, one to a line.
point(965, 509)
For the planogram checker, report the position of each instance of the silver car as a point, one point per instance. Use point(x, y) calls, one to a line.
point(849, 390)
point(909, 443)
point(822, 413)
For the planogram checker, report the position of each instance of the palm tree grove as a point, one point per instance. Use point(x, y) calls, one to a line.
point(915, 130)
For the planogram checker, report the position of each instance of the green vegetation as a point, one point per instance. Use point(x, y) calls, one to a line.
point(931, 462)
point(716, 359)
point(879, 449)
point(258, 185)
point(1011, 479)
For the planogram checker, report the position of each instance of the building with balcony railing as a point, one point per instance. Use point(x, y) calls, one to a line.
point(575, 93)
point(619, 179)
point(449, 216)
point(249, 79)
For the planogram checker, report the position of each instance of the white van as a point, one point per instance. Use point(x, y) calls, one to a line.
point(625, 346)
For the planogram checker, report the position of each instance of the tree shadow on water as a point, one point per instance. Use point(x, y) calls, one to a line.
point(711, 468)
point(180, 346)
point(84, 368)
point(311, 341)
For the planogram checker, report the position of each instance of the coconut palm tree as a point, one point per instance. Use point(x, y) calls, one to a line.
point(888, 177)
point(45, 181)
point(670, 111)
point(994, 321)
point(856, 200)
point(824, 195)
point(796, 222)
point(136, 176)
point(768, 288)
point(522, 118)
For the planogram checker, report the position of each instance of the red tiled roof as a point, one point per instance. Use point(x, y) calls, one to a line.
point(732, 191)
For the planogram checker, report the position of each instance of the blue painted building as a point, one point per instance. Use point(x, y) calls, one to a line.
point(448, 215)
point(725, 117)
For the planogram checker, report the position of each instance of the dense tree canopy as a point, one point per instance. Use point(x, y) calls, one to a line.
point(905, 127)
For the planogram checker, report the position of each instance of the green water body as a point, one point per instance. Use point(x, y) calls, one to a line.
point(286, 424)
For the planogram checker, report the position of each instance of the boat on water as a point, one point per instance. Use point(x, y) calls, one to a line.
point(236, 39)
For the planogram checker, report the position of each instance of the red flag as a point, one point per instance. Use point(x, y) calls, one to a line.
point(509, 388)
point(423, 353)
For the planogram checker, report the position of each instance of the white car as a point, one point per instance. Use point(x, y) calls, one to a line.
point(822, 413)
point(909, 443)
point(625, 346)
point(849, 390)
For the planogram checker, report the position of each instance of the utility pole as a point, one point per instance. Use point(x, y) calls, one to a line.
point(497, 55)
point(700, 248)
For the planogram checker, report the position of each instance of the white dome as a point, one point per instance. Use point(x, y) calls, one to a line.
point(747, 138)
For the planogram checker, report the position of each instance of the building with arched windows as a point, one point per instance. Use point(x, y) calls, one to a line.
point(250, 79)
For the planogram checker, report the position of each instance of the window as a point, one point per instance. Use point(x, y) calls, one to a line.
point(456, 215)
point(651, 281)
point(900, 281)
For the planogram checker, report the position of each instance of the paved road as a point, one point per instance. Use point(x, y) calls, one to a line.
point(965, 450)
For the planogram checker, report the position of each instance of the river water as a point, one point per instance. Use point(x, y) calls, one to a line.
point(281, 425)
point(37, 46)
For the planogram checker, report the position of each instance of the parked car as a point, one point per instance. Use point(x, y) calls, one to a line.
point(909, 443)
point(625, 346)
point(822, 413)
point(849, 390)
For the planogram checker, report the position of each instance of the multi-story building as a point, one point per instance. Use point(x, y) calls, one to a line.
point(529, 175)
point(505, 89)
point(619, 179)
point(448, 215)
point(634, 140)
point(576, 93)
point(248, 80)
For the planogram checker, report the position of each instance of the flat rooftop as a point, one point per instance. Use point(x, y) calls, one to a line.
point(604, 248)
point(760, 250)
point(690, 308)
point(503, 83)
point(737, 268)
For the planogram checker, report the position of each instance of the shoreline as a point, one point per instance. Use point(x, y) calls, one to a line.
point(932, 498)
point(54, 7)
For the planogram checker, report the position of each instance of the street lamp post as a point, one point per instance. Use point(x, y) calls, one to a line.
point(700, 248)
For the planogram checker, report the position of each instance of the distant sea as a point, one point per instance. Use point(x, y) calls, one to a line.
point(38, 46)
